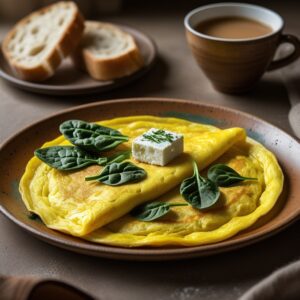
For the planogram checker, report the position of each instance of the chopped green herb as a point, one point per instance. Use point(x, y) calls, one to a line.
point(159, 136)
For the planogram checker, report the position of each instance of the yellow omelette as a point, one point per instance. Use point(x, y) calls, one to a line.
point(240, 207)
point(99, 213)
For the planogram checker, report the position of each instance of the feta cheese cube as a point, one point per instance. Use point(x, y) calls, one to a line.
point(157, 146)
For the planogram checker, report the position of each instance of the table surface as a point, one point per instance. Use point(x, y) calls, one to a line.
point(175, 75)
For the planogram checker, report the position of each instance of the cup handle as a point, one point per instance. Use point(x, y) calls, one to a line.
point(279, 63)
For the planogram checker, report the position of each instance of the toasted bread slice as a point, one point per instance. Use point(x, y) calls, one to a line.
point(106, 52)
point(37, 44)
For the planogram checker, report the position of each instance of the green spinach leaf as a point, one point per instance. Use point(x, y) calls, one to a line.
point(33, 216)
point(200, 192)
point(119, 173)
point(90, 136)
point(68, 158)
point(225, 176)
point(154, 210)
point(119, 157)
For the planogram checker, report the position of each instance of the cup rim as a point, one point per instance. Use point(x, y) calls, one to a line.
point(230, 4)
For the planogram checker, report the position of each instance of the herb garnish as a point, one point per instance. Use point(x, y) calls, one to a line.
point(225, 176)
point(200, 192)
point(119, 173)
point(90, 136)
point(154, 210)
point(159, 136)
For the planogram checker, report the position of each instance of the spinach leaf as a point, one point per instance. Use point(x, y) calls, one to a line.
point(200, 192)
point(68, 158)
point(119, 173)
point(154, 210)
point(119, 157)
point(33, 216)
point(225, 176)
point(90, 136)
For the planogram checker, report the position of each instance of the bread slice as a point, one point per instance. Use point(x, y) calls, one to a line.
point(106, 52)
point(37, 44)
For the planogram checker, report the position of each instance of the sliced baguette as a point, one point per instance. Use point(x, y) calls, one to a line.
point(106, 52)
point(37, 44)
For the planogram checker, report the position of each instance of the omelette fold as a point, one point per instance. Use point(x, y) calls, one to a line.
point(100, 213)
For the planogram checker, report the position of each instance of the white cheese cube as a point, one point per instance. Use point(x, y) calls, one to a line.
point(157, 146)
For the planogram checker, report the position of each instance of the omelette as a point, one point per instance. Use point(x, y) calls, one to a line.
point(101, 213)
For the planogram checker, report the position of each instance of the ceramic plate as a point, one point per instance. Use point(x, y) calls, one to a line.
point(15, 153)
point(69, 81)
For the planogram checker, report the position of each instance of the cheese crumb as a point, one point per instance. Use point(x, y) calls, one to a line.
point(157, 146)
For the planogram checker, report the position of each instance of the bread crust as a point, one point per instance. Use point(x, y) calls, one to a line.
point(65, 45)
point(108, 68)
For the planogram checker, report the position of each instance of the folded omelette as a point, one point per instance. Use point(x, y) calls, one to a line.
point(100, 213)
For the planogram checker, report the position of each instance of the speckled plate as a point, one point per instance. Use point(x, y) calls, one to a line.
point(15, 153)
point(67, 80)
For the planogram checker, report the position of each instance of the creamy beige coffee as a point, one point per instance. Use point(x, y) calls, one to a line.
point(233, 28)
point(234, 43)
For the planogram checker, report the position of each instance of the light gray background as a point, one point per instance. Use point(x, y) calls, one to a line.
point(175, 75)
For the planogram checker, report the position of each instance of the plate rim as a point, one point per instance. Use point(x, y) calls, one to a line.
point(42, 88)
point(150, 254)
